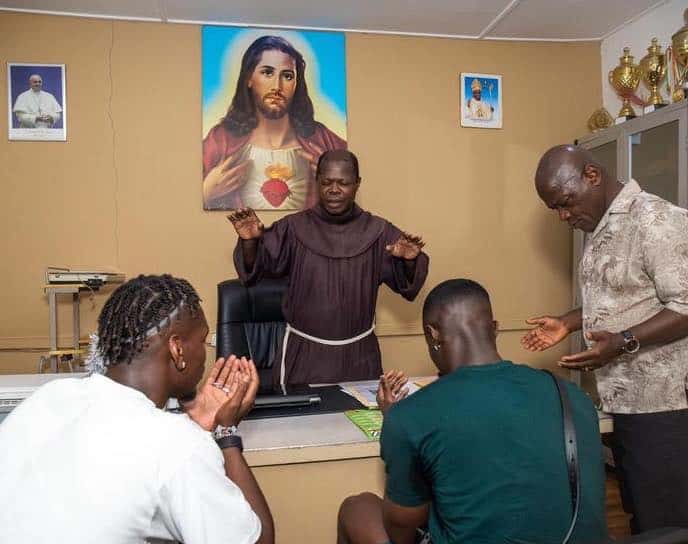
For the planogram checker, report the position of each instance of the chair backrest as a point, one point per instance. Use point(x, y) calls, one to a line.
point(250, 321)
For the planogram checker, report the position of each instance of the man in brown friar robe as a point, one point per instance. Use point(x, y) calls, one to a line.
point(336, 256)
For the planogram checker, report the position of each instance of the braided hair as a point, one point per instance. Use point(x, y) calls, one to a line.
point(139, 308)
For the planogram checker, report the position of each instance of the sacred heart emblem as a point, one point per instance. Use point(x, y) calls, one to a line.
point(275, 189)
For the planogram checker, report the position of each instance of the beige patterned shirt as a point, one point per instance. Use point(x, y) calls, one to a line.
point(634, 265)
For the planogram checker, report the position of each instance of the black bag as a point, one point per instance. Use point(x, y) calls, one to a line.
point(571, 451)
point(665, 535)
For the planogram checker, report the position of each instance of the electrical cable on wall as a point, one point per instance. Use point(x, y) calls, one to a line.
point(114, 139)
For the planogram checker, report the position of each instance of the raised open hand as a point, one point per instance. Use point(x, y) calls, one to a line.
point(246, 224)
point(407, 247)
point(548, 331)
point(606, 346)
point(391, 389)
point(250, 374)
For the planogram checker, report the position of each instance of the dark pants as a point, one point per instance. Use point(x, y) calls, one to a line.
point(651, 458)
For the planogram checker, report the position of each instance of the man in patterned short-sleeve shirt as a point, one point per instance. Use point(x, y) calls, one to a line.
point(634, 285)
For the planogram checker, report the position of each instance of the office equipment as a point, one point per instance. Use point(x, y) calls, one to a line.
point(91, 278)
point(276, 401)
point(302, 401)
point(291, 395)
point(60, 280)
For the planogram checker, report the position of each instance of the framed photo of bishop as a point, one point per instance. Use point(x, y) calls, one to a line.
point(481, 100)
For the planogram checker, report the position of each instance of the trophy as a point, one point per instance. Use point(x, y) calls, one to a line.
point(599, 120)
point(679, 54)
point(625, 79)
point(653, 70)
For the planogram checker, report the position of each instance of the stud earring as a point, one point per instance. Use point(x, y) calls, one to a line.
point(436, 347)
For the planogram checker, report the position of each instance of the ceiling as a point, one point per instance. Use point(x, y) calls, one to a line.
point(554, 20)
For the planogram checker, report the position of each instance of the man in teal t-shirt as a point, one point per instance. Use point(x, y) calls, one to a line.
point(478, 455)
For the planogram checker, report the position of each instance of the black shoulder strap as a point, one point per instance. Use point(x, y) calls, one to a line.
point(571, 449)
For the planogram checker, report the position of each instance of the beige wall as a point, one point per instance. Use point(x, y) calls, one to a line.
point(126, 192)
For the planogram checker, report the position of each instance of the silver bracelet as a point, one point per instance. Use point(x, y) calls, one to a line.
point(221, 431)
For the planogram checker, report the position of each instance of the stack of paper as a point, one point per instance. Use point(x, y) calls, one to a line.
point(365, 392)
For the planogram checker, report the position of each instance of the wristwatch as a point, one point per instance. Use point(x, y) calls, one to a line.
point(227, 437)
point(631, 344)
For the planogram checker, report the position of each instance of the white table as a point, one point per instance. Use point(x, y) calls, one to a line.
point(315, 438)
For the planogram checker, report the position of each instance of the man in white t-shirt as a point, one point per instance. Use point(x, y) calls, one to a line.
point(37, 108)
point(99, 460)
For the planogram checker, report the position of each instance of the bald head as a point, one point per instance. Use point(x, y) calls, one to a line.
point(571, 181)
point(563, 164)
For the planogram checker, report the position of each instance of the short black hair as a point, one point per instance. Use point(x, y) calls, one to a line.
point(137, 307)
point(337, 155)
point(451, 291)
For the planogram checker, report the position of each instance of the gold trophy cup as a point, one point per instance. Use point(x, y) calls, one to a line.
point(625, 79)
point(679, 51)
point(653, 71)
point(599, 120)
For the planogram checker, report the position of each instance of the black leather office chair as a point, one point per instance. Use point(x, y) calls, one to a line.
point(250, 322)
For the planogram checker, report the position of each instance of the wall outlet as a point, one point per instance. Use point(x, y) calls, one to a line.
point(213, 339)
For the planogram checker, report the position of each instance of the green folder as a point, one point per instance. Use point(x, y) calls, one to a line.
point(369, 421)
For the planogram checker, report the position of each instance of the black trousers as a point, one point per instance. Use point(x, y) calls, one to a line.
point(651, 457)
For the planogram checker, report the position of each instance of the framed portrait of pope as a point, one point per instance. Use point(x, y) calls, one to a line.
point(481, 100)
point(37, 102)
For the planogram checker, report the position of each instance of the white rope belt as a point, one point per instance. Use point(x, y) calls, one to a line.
point(289, 330)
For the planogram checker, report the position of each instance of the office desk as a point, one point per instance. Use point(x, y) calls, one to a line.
point(307, 465)
point(304, 439)
point(318, 438)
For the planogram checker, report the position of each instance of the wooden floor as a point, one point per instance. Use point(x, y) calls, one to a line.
point(617, 519)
